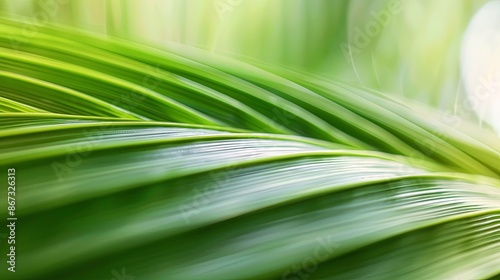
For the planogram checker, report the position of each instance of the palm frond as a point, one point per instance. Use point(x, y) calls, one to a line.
point(187, 165)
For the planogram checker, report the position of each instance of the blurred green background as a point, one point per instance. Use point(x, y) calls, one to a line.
point(384, 197)
point(408, 48)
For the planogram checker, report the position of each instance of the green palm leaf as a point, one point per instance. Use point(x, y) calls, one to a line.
point(185, 165)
